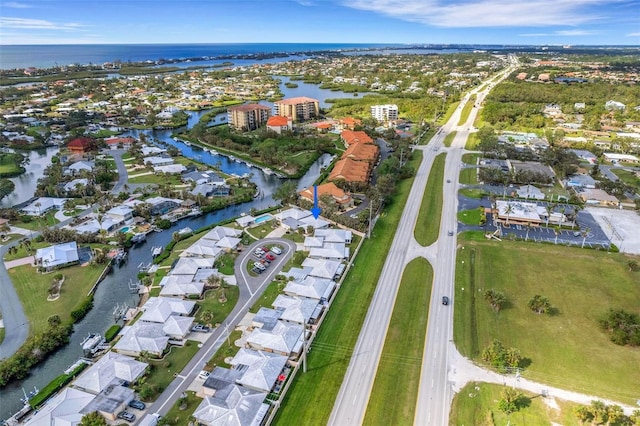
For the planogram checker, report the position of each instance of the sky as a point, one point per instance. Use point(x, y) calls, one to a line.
point(513, 22)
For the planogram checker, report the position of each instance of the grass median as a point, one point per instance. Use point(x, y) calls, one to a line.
point(466, 110)
point(428, 224)
point(448, 140)
point(398, 375)
point(567, 350)
point(311, 397)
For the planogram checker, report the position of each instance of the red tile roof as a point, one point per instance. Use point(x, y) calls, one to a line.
point(331, 189)
point(82, 144)
point(350, 137)
point(277, 121)
point(350, 170)
point(362, 152)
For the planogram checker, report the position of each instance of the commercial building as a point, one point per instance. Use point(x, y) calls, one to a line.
point(298, 109)
point(248, 116)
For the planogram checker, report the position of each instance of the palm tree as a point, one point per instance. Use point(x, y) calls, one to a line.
point(508, 210)
point(584, 232)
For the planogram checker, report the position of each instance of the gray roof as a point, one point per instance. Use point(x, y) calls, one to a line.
point(143, 336)
point(59, 254)
point(110, 400)
point(310, 288)
point(232, 406)
point(63, 409)
point(159, 309)
point(262, 368)
point(111, 369)
point(266, 318)
point(295, 309)
point(284, 338)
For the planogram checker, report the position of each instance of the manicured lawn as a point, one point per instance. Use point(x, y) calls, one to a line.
point(470, 217)
point(164, 369)
point(472, 140)
point(176, 416)
point(272, 291)
point(428, 224)
point(37, 223)
point(628, 177)
point(220, 310)
point(448, 140)
point(158, 179)
point(227, 350)
point(469, 176)
point(473, 192)
point(296, 237)
point(566, 350)
point(33, 289)
point(261, 230)
point(470, 158)
point(1, 334)
point(312, 395)
point(476, 403)
point(22, 249)
point(398, 375)
point(225, 263)
point(466, 110)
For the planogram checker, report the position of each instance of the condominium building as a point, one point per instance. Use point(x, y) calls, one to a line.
point(298, 109)
point(384, 112)
point(248, 116)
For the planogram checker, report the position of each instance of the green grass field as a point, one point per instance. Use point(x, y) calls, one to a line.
point(176, 416)
point(566, 350)
point(470, 217)
point(37, 222)
point(628, 177)
point(477, 404)
point(469, 176)
point(227, 350)
point(398, 375)
point(312, 394)
point(470, 158)
point(158, 179)
point(33, 289)
point(473, 192)
point(427, 137)
point(472, 140)
point(212, 303)
point(448, 140)
point(466, 110)
point(172, 363)
point(270, 293)
point(428, 224)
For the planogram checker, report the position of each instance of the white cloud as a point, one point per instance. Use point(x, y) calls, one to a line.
point(305, 2)
point(633, 34)
point(562, 33)
point(484, 13)
point(16, 5)
point(37, 24)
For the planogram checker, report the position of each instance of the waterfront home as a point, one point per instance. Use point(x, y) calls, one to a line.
point(57, 256)
point(173, 169)
point(76, 185)
point(111, 369)
point(148, 151)
point(120, 214)
point(192, 265)
point(157, 160)
point(142, 337)
point(247, 116)
point(199, 177)
point(120, 143)
point(351, 171)
point(62, 409)
point(162, 205)
point(203, 248)
point(159, 309)
point(220, 232)
point(43, 205)
point(211, 189)
point(181, 286)
point(81, 145)
point(80, 166)
point(232, 404)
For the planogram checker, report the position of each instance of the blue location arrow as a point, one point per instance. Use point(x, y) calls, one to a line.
point(315, 210)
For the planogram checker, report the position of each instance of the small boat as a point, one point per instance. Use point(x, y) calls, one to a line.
point(267, 171)
point(91, 344)
point(187, 143)
point(27, 397)
point(138, 238)
point(155, 251)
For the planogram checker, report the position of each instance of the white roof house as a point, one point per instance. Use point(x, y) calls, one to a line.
point(530, 191)
point(147, 150)
point(292, 213)
point(159, 309)
point(120, 213)
point(111, 368)
point(76, 184)
point(295, 309)
point(337, 251)
point(142, 337)
point(284, 338)
point(260, 369)
point(612, 156)
point(157, 160)
point(191, 265)
point(180, 286)
point(177, 327)
point(79, 166)
point(232, 406)
point(203, 248)
point(335, 235)
point(173, 169)
point(245, 221)
point(321, 268)
point(43, 205)
point(63, 409)
point(57, 255)
point(219, 232)
point(311, 288)
point(228, 243)
point(313, 242)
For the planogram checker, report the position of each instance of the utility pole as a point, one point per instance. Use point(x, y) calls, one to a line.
point(304, 348)
point(370, 214)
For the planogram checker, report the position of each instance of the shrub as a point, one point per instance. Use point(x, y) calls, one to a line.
point(112, 332)
point(78, 314)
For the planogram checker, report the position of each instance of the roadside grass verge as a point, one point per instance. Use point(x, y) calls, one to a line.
point(428, 224)
point(472, 141)
point(177, 416)
point(426, 138)
point(469, 176)
point(333, 346)
point(447, 115)
point(477, 404)
point(270, 293)
point(448, 140)
point(470, 217)
point(162, 373)
point(466, 110)
point(227, 350)
point(568, 349)
point(470, 158)
point(33, 289)
point(212, 303)
point(628, 177)
point(398, 375)
point(473, 192)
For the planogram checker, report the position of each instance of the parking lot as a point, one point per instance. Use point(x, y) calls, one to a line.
point(621, 226)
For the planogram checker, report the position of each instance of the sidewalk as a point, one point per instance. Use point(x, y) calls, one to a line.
point(19, 262)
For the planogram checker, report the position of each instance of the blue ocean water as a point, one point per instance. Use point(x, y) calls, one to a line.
point(46, 56)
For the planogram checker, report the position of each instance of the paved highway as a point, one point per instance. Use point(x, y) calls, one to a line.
point(351, 403)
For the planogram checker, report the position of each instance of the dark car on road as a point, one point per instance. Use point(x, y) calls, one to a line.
point(445, 300)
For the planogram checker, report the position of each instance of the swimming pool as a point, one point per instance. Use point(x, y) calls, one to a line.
point(263, 218)
point(125, 229)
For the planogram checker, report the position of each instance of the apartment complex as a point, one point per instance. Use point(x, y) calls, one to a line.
point(298, 109)
point(248, 116)
point(384, 112)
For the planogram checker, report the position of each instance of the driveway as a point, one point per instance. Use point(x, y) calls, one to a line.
point(123, 176)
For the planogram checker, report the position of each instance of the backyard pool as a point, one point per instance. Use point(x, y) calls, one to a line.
point(263, 218)
point(125, 229)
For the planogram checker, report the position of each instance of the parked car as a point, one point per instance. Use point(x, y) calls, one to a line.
point(138, 405)
point(276, 250)
point(258, 252)
point(125, 415)
point(256, 270)
point(204, 374)
point(201, 328)
point(445, 300)
point(270, 256)
point(259, 266)
point(450, 233)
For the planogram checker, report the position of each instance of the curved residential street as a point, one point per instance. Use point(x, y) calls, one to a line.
point(251, 289)
point(15, 321)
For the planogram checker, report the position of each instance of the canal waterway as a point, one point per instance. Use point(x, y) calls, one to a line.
point(26, 183)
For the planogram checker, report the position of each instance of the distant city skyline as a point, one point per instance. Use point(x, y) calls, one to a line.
point(532, 22)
